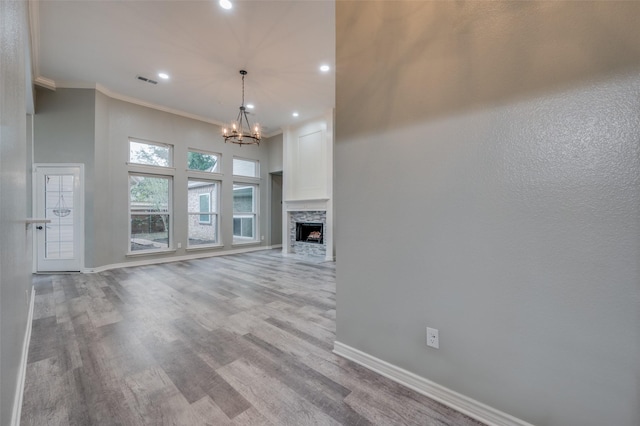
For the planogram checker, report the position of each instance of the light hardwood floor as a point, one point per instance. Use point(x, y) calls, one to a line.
point(233, 340)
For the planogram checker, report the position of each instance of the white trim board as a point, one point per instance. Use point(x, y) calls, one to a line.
point(170, 259)
point(22, 372)
point(472, 408)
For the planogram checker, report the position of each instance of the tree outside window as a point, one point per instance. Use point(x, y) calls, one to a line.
point(202, 162)
point(149, 212)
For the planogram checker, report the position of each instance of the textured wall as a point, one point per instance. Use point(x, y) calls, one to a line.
point(495, 148)
point(15, 242)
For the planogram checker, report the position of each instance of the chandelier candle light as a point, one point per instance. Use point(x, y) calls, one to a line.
point(240, 131)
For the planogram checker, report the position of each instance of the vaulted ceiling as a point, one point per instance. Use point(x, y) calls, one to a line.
point(107, 44)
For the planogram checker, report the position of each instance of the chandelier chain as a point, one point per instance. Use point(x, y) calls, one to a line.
point(236, 132)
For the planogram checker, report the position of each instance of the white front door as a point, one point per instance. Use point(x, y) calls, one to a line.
point(58, 197)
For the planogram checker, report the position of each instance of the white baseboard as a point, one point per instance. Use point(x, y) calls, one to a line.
point(472, 408)
point(191, 256)
point(22, 372)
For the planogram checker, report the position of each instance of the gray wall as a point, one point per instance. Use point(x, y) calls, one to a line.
point(276, 208)
point(15, 242)
point(85, 126)
point(495, 150)
point(102, 246)
point(129, 120)
point(274, 145)
point(64, 132)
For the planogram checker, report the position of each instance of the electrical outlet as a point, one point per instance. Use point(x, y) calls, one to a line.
point(179, 245)
point(262, 238)
point(433, 340)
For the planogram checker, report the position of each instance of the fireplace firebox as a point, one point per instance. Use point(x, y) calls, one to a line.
point(309, 232)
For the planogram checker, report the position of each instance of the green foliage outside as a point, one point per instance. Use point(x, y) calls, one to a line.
point(151, 194)
point(199, 161)
point(154, 155)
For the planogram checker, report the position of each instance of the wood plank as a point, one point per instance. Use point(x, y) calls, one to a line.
point(210, 414)
point(44, 341)
point(196, 379)
point(46, 404)
point(319, 390)
point(251, 417)
point(154, 400)
point(279, 404)
point(232, 340)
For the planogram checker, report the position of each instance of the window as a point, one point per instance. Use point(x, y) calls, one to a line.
point(149, 212)
point(203, 207)
point(244, 212)
point(248, 168)
point(150, 154)
point(203, 162)
point(245, 200)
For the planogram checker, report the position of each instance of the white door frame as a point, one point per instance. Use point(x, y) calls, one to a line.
point(81, 211)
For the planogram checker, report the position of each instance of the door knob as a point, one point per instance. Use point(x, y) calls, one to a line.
point(39, 227)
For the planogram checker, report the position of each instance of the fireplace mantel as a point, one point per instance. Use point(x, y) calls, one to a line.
point(315, 204)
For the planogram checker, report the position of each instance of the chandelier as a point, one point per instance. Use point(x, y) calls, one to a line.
point(240, 131)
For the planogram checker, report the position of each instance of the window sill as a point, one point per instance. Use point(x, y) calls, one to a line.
point(199, 174)
point(149, 252)
point(148, 168)
point(245, 243)
point(246, 179)
point(204, 247)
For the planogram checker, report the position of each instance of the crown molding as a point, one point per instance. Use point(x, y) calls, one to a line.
point(53, 85)
point(34, 32)
point(45, 82)
point(119, 96)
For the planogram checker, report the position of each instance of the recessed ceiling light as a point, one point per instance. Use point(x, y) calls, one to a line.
point(295, 114)
point(250, 106)
point(225, 4)
point(163, 75)
point(325, 68)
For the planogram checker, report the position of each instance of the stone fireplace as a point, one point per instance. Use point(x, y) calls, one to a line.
point(301, 225)
point(307, 226)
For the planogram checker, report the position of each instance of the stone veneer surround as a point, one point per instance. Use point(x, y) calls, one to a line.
point(301, 247)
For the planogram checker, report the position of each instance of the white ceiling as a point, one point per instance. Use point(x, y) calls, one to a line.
point(201, 46)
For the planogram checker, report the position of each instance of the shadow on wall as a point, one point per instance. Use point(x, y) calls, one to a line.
point(457, 56)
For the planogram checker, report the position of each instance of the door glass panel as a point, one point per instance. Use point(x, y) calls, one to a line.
point(59, 235)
